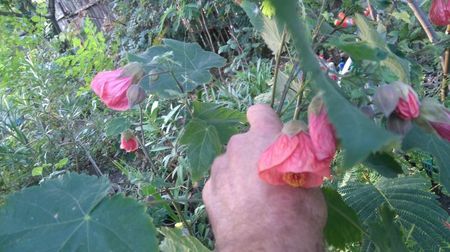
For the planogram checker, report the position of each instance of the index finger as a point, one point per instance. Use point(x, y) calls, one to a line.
point(263, 119)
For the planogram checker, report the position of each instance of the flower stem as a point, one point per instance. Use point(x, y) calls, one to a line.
point(277, 67)
point(141, 141)
point(179, 213)
point(444, 84)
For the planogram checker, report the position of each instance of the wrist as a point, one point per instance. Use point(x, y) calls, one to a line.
point(293, 235)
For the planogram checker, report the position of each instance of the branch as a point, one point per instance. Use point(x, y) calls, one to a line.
point(423, 20)
point(52, 16)
point(11, 14)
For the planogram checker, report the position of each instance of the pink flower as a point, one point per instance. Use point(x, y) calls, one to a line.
point(291, 159)
point(442, 129)
point(112, 86)
point(322, 132)
point(128, 142)
point(437, 116)
point(408, 106)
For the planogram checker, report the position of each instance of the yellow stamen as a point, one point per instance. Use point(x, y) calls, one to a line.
point(294, 179)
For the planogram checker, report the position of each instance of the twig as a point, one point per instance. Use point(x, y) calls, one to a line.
point(444, 84)
point(177, 209)
point(295, 71)
point(299, 99)
point(423, 20)
point(141, 141)
point(94, 164)
point(277, 67)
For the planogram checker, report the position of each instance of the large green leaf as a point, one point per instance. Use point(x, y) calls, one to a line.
point(400, 67)
point(431, 143)
point(358, 134)
point(178, 67)
point(226, 121)
point(271, 31)
point(176, 241)
point(203, 145)
point(361, 50)
point(385, 233)
point(117, 126)
point(418, 211)
point(74, 213)
point(343, 225)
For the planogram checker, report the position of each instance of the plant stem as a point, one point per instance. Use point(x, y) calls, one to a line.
point(277, 67)
point(298, 104)
point(141, 141)
point(294, 73)
point(444, 84)
point(423, 20)
point(177, 209)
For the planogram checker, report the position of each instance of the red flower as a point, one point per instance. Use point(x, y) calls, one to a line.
point(112, 86)
point(291, 159)
point(321, 131)
point(440, 12)
point(408, 106)
point(128, 142)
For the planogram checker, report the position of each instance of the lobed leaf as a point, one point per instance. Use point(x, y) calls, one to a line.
point(74, 213)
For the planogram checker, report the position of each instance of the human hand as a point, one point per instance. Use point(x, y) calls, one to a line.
point(248, 214)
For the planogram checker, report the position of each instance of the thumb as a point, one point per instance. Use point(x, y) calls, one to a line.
point(263, 119)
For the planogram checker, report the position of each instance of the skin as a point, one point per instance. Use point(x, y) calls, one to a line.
point(247, 214)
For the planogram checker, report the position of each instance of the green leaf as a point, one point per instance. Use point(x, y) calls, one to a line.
point(418, 211)
point(417, 138)
point(37, 171)
point(226, 121)
point(182, 70)
point(385, 233)
point(343, 225)
point(397, 65)
point(117, 126)
point(361, 50)
point(269, 28)
point(203, 145)
point(176, 241)
point(359, 135)
point(384, 164)
point(74, 213)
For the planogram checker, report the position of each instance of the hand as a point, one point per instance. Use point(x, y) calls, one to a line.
point(247, 214)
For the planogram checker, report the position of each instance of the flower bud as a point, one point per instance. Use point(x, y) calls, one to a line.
point(397, 125)
point(135, 94)
point(128, 141)
point(134, 70)
point(408, 106)
point(437, 116)
point(386, 98)
point(440, 12)
point(322, 132)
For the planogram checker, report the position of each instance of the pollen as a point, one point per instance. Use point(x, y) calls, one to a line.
point(294, 179)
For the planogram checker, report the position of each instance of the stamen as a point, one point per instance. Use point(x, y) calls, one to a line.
point(294, 179)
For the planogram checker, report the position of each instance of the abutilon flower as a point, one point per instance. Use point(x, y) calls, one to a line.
point(291, 159)
point(437, 116)
point(112, 86)
point(344, 21)
point(440, 12)
point(320, 129)
point(408, 106)
point(128, 142)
